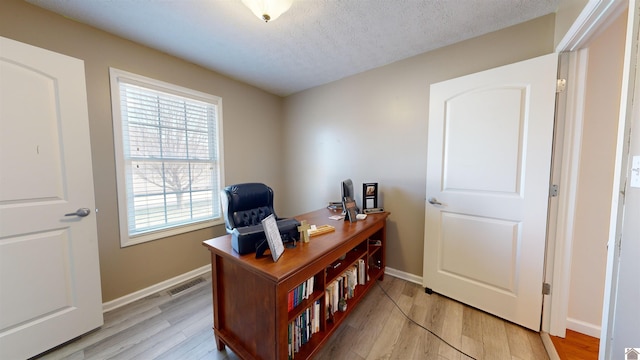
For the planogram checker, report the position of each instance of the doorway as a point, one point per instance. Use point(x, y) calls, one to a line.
point(576, 261)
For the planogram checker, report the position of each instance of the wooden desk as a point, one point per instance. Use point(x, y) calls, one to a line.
point(250, 312)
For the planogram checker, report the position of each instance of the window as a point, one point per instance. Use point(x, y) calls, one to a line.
point(168, 157)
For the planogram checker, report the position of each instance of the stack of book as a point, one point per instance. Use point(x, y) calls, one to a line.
point(303, 327)
point(308, 322)
point(343, 287)
point(375, 242)
point(335, 206)
point(301, 292)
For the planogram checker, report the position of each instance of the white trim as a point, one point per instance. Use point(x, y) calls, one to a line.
point(163, 285)
point(569, 182)
point(116, 77)
point(548, 345)
point(404, 275)
point(583, 327)
point(628, 110)
point(596, 15)
point(556, 161)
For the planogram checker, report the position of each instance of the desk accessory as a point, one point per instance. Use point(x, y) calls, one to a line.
point(348, 193)
point(273, 237)
point(303, 229)
point(373, 210)
point(369, 195)
point(335, 206)
point(322, 229)
point(350, 209)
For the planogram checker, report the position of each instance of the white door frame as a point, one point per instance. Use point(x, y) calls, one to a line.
point(628, 111)
point(565, 174)
point(594, 18)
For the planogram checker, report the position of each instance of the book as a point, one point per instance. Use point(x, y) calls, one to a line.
point(335, 205)
point(362, 277)
point(300, 293)
point(375, 242)
point(301, 329)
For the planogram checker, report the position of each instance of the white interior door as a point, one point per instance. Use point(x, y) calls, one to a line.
point(49, 272)
point(488, 168)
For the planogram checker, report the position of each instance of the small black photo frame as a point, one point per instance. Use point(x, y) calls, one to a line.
point(369, 195)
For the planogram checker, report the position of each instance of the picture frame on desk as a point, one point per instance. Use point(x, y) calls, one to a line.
point(350, 210)
point(273, 237)
point(369, 196)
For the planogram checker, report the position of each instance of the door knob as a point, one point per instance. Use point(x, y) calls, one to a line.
point(82, 212)
point(434, 201)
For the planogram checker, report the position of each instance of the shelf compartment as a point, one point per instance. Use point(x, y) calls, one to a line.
point(310, 348)
point(304, 304)
point(339, 266)
point(339, 316)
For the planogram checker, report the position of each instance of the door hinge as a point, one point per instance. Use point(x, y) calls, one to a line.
point(619, 244)
point(553, 190)
point(546, 289)
point(561, 84)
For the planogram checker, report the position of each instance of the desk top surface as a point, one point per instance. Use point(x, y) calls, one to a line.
point(304, 253)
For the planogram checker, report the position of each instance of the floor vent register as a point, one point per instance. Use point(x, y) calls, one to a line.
point(185, 286)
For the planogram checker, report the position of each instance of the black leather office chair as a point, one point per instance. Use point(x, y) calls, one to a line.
point(244, 207)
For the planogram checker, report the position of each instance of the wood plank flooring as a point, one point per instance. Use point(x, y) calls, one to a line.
point(377, 329)
point(179, 327)
point(576, 346)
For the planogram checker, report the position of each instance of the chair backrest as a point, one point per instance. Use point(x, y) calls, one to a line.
point(246, 204)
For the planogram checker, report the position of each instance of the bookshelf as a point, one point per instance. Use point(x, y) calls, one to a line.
point(251, 297)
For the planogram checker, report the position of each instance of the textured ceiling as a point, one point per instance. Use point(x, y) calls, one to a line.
point(315, 42)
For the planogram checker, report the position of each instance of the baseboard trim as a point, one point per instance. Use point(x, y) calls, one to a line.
point(127, 299)
point(584, 327)
point(548, 345)
point(404, 275)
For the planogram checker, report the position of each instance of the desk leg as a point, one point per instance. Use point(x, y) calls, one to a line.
point(216, 305)
point(219, 343)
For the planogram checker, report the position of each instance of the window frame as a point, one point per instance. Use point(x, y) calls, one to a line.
point(116, 77)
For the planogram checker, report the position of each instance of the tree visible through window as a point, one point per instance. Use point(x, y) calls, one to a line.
point(170, 161)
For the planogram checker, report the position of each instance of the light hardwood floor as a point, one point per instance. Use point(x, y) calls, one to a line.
point(179, 327)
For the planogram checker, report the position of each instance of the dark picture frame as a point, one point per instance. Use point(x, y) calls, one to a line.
point(350, 209)
point(369, 195)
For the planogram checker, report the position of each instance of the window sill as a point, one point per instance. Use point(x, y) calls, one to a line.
point(164, 233)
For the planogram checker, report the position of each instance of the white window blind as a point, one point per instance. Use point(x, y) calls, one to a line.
point(169, 160)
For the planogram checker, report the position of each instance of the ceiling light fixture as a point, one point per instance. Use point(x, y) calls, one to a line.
point(268, 10)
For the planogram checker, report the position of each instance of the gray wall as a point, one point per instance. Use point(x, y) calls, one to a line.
point(252, 137)
point(372, 127)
